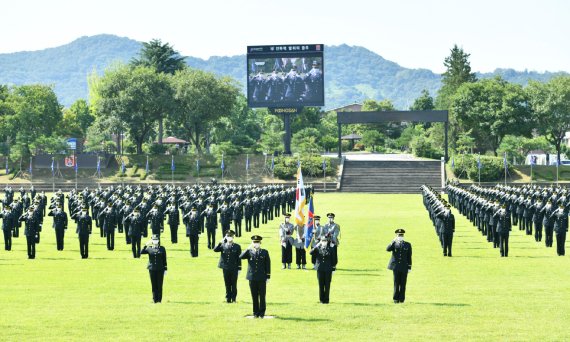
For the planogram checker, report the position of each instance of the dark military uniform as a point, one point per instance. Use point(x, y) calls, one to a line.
point(503, 221)
point(156, 220)
point(258, 273)
point(560, 219)
point(248, 214)
point(84, 228)
point(136, 226)
point(325, 264)
point(156, 267)
point(109, 222)
point(31, 232)
point(60, 226)
point(173, 222)
point(400, 263)
point(8, 226)
point(193, 231)
point(230, 263)
point(211, 220)
point(225, 218)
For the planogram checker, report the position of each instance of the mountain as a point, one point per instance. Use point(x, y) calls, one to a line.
point(352, 73)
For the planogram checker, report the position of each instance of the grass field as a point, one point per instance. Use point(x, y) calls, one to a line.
point(476, 295)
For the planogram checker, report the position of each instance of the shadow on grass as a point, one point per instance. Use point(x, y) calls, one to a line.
point(532, 256)
point(191, 303)
point(441, 304)
point(360, 274)
point(360, 304)
point(299, 319)
point(355, 270)
point(56, 258)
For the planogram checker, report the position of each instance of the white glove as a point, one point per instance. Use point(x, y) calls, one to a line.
point(267, 281)
point(239, 271)
point(165, 272)
point(410, 270)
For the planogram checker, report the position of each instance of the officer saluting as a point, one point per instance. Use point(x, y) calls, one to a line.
point(400, 263)
point(8, 226)
point(258, 274)
point(84, 228)
point(59, 225)
point(326, 260)
point(230, 263)
point(156, 266)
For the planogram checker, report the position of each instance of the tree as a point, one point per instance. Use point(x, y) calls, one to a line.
point(458, 72)
point(550, 103)
point(200, 99)
point(491, 109)
point(36, 115)
point(165, 60)
point(423, 102)
point(519, 146)
point(137, 96)
point(373, 139)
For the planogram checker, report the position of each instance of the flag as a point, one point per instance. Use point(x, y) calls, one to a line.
point(298, 163)
point(505, 161)
point(172, 167)
point(198, 165)
point(146, 169)
point(247, 162)
point(76, 165)
point(52, 168)
point(532, 160)
point(310, 223)
point(98, 165)
point(300, 199)
point(123, 168)
point(7, 168)
point(222, 166)
point(479, 165)
point(324, 165)
point(272, 162)
point(453, 162)
point(30, 166)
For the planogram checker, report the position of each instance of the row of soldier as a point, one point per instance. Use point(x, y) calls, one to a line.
point(496, 209)
point(441, 216)
point(132, 209)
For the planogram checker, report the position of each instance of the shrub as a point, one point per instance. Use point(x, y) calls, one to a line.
point(492, 168)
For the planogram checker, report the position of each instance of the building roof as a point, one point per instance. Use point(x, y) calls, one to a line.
point(174, 140)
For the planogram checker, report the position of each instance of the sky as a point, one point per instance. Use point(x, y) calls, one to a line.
point(521, 34)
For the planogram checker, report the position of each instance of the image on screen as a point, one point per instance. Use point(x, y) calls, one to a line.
point(285, 81)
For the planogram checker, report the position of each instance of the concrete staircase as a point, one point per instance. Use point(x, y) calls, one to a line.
point(390, 176)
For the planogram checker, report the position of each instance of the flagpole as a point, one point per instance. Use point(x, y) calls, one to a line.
point(557, 162)
point(222, 167)
point(531, 170)
point(505, 168)
point(324, 176)
point(479, 168)
point(76, 169)
point(172, 171)
point(247, 169)
point(31, 172)
point(52, 175)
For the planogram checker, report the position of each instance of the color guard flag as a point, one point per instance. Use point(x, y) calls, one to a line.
point(52, 168)
point(324, 165)
point(172, 167)
point(479, 165)
point(98, 165)
point(223, 166)
point(30, 166)
point(247, 162)
point(272, 162)
point(123, 168)
point(453, 162)
point(505, 160)
point(7, 168)
point(309, 230)
point(198, 165)
point(76, 165)
point(146, 168)
point(300, 200)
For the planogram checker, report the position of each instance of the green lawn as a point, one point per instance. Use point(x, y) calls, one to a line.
point(476, 295)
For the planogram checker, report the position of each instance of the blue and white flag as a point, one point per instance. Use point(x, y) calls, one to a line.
point(198, 165)
point(52, 168)
point(453, 162)
point(298, 163)
point(30, 166)
point(123, 168)
point(247, 162)
point(7, 168)
point(479, 165)
point(324, 165)
point(98, 165)
point(505, 161)
point(76, 165)
point(532, 160)
point(172, 166)
point(272, 162)
point(146, 169)
point(222, 166)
